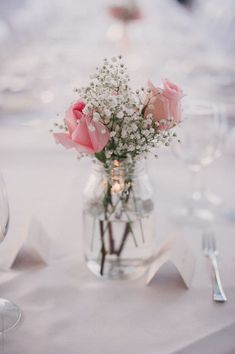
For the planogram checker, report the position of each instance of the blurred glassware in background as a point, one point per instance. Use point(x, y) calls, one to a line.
point(218, 19)
point(46, 46)
point(24, 23)
point(202, 136)
point(10, 313)
point(124, 13)
point(4, 210)
point(186, 3)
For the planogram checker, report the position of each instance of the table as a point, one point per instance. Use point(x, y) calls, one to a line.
point(65, 308)
point(68, 310)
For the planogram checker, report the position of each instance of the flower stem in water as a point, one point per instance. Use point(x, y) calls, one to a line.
point(103, 251)
point(124, 238)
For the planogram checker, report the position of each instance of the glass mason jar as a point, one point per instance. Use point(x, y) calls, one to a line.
point(118, 220)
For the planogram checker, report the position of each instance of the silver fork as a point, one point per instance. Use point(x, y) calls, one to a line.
point(210, 251)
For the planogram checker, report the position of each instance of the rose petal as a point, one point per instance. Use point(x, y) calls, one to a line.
point(81, 135)
point(73, 115)
point(70, 120)
point(79, 106)
point(98, 138)
point(171, 90)
point(155, 90)
point(64, 139)
point(164, 104)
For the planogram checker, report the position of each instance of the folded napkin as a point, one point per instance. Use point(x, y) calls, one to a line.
point(176, 251)
point(31, 240)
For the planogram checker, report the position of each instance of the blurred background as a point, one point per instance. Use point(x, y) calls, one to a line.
point(50, 47)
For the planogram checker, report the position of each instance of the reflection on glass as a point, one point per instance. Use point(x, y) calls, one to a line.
point(202, 137)
point(10, 314)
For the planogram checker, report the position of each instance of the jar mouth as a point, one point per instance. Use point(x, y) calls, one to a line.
point(119, 167)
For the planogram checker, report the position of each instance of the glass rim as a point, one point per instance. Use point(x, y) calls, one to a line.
point(123, 165)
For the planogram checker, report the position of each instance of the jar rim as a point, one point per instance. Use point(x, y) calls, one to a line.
point(123, 165)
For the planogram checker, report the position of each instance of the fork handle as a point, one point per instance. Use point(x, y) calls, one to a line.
point(218, 292)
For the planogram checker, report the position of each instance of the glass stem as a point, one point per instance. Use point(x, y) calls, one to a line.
point(198, 185)
point(124, 38)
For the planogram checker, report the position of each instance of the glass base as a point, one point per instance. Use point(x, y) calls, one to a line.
point(193, 216)
point(10, 315)
point(213, 199)
point(118, 269)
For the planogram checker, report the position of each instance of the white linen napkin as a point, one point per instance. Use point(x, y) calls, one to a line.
point(32, 239)
point(176, 251)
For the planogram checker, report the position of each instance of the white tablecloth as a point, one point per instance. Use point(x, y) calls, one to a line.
point(68, 310)
point(49, 48)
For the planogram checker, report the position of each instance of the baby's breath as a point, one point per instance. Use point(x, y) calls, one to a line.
point(121, 111)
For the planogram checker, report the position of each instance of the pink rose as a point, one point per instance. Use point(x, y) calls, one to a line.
point(84, 133)
point(164, 104)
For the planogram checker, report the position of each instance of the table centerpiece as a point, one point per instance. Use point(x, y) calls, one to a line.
point(118, 127)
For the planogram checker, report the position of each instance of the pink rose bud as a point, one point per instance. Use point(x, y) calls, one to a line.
point(84, 134)
point(164, 104)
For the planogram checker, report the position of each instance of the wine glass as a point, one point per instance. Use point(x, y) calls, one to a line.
point(202, 137)
point(10, 313)
point(222, 138)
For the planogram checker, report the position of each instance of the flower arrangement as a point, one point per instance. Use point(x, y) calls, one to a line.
point(113, 122)
point(118, 126)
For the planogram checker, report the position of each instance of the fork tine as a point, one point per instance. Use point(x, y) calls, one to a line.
point(213, 243)
point(213, 248)
point(205, 243)
point(211, 252)
point(209, 241)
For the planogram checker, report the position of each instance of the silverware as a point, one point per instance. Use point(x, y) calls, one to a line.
point(210, 251)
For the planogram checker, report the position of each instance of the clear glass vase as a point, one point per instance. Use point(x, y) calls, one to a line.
point(118, 220)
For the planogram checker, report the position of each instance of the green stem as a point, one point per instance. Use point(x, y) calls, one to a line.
point(111, 239)
point(126, 232)
point(139, 218)
point(132, 232)
point(103, 251)
point(108, 201)
point(113, 210)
